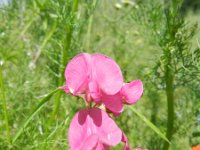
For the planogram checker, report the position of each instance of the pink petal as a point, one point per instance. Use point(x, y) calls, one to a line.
point(76, 134)
point(95, 92)
point(132, 91)
point(125, 140)
point(77, 73)
point(113, 103)
point(93, 143)
point(90, 143)
point(101, 146)
point(88, 122)
point(109, 133)
point(107, 74)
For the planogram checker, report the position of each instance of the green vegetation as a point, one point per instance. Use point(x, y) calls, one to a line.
point(150, 40)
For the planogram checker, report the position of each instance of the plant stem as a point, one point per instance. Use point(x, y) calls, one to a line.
point(65, 52)
point(87, 43)
point(170, 101)
point(6, 118)
point(88, 35)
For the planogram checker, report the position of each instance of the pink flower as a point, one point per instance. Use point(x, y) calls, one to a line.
point(98, 79)
point(93, 129)
point(85, 72)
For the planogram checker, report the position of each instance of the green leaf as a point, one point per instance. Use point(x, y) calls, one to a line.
point(150, 124)
point(34, 112)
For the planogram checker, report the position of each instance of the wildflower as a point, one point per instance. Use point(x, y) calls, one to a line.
point(98, 79)
point(85, 72)
point(93, 129)
point(196, 147)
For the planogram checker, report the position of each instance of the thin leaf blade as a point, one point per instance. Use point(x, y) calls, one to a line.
point(34, 112)
point(150, 124)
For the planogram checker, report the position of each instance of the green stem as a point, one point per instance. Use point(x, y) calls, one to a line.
point(87, 42)
point(170, 102)
point(69, 31)
point(4, 105)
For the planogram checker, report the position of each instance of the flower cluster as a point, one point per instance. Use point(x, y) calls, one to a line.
point(98, 79)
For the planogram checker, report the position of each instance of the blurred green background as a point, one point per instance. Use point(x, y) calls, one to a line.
point(150, 40)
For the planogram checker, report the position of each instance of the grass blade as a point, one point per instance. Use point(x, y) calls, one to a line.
point(34, 112)
point(150, 124)
point(46, 39)
point(6, 118)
